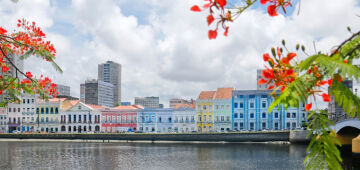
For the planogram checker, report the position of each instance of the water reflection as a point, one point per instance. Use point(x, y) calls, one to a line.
point(73, 155)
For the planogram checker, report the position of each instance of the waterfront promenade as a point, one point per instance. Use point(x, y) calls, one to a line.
point(204, 137)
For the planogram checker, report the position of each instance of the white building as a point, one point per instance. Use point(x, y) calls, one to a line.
point(184, 120)
point(29, 116)
point(15, 116)
point(81, 118)
point(3, 121)
point(164, 120)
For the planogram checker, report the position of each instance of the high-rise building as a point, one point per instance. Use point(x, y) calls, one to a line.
point(110, 72)
point(147, 102)
point(63, 90)
point(100, 93)
point(82, 92)
point(335, 111)
point(12, 71)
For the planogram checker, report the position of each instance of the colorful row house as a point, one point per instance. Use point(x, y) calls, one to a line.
point(120, 119)
point(164, 120)
point(48, 115)
point(81, 118)
point(250, 112)
point(223, 110)
point(146, 120)
point(204, 111)
point(184, 120)
point(3, 121)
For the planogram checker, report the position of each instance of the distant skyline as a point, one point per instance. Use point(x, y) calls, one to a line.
point(163, 46)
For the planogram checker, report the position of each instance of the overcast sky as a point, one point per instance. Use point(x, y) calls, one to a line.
point(163, 47)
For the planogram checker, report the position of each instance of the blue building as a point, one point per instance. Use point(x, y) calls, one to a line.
point(250, 112)
point(146, 120)
point(164, 120)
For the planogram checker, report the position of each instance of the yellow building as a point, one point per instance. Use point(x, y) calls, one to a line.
point(204, 111)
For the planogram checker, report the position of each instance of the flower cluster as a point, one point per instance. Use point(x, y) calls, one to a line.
point(281, 73)
point(30, 40)
point(223, 16)
point(275, 5)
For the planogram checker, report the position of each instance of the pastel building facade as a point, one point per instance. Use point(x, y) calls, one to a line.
point(3, 121)
point(164, 120)
point(204, 111)
point(184, 120)
point(250, 112)
point(147, 120)
point(48, 115)
point(223, 110)
point(120, 119)
point(15, 116)
point(29, 117)
point(81, 118)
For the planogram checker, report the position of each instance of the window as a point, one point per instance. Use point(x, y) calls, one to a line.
point(32, 100)
point(263, 104)
point(293, 125)
point(252, 126)
point(263, 125)
point(28, 101)
point(293, 115)
point(263, 115)
point(235, 115)
point(204, 118)
point(235, 105)
point(199, 119)
point(241, 105)
point(47, 120)
point(235, 124)
point(241, 115)
point(210, 107)
point(56, 110)
point(74, 118)
point(51, 110)
point(47, 110)
point(241, 125)
point(42, 110)
point(79, 118)
point(288, 115)
point(276, 126)
point(222, 106)
point(9, 109)
point(24, 100)
point(251, 115)
point(251, 105)
point(24, 110)
point(276, 115)
point(159, 119)
point(216, 107)
point(222, 118)
point(217, 118)
point(204, 107)
point(288, 125)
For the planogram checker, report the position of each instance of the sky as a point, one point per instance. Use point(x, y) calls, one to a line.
point(163, 47)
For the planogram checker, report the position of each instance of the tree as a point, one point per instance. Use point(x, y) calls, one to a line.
point(300, 81)
point(28, 41)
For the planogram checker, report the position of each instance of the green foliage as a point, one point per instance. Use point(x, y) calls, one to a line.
point(345, 98)
point(323, 152)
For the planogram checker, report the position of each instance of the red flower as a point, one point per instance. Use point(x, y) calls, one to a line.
point(195, 8)
point(5, 69)
point(290, 56)
point(346, 61)
point(340, 79)
point(326, 97)
point(28, 74)
point(226, 31)
point(278, 51)
point(266, 57)
point(221, 3)
point(289, 72)
point(212, 34)
point(329, 82)
point(308, 107)
point(270, 87)
point(323, 82)
point(261, 81)
point(263, 2)
point(1, 91)
point(282, 88)
point(210, 19)
point(268, 74)
point(272, 10)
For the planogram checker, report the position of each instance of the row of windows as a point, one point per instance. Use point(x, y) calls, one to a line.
point(28, 101)
point(217, 107)
point(264, 115)
point(240, 125)
point(47, 110)
point(18, 109)
point(251, 104)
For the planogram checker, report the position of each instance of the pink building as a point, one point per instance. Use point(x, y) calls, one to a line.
point(119, 119)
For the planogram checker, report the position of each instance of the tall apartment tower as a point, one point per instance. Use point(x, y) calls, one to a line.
point(100, 93)
point(148, 102)
point(110, 72)
point(82, 92)
point(12, 71)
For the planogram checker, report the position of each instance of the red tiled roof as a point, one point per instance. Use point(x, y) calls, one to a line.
point(74, 102)
point(206, 95)
point(126, 107)
point(96, 106)
point(183, 105)
point(224, 93)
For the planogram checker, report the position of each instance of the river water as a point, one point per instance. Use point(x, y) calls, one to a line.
point(79, 155)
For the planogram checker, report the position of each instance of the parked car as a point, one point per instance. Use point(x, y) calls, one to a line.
point(16, 131)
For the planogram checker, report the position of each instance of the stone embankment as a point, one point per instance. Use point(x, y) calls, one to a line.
point(202, 137)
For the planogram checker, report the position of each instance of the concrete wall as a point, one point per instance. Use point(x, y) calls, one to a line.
point(208, 137)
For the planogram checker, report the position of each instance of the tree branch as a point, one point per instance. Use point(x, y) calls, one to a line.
point(343, 43)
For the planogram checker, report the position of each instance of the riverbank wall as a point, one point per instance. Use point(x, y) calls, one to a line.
point(204, 137)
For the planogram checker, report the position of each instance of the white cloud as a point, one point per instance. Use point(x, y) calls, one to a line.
point(170, 54)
